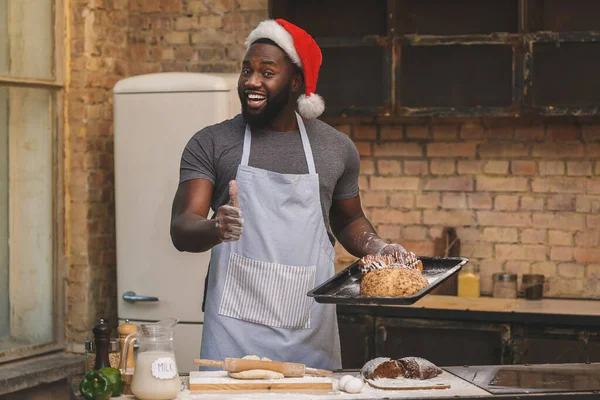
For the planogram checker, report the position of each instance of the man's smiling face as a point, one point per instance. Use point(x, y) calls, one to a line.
point(266, 84)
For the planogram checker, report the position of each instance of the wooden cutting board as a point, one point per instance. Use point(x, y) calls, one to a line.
point(220, 380)
point(405, 386)
point(439, 382)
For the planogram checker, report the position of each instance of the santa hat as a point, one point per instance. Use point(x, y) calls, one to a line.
point(303, 51)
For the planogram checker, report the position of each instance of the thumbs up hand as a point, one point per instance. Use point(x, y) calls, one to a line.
point(233, 195)
point(229, 217)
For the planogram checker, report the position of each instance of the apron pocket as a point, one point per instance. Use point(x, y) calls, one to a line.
point(268, 293)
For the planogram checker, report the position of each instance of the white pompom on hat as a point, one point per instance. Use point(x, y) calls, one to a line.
point(303, 51)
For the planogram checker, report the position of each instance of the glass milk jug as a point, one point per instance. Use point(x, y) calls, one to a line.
point(155, 376)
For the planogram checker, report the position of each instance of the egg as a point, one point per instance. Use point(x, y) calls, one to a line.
point(343, 381)
point(353, 385)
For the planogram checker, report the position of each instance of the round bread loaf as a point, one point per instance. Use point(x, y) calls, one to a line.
point(419, 368)
point(407, 367)
point(381, 367)
point(392, 282)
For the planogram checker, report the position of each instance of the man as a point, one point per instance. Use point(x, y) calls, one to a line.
point(278, 180)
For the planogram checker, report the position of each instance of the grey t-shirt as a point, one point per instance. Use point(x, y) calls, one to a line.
point(215, 152)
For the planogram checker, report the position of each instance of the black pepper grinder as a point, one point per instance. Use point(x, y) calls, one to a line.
point(102, 339)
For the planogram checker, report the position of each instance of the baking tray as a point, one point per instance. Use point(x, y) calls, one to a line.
point(522, 379)
point(344, 287)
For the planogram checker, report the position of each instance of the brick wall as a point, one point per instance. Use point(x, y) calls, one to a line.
point(97, 58)
point(524, 199)
point(108, 40)
point(190, 35)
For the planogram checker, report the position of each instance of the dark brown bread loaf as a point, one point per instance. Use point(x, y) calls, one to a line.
point(408, 367)
point(381, 367)
point(419, 368)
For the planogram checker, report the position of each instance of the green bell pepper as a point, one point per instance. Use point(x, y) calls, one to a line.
point(114, 377)
point(95, 386)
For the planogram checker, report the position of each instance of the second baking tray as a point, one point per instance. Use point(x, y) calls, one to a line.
point(344, 288)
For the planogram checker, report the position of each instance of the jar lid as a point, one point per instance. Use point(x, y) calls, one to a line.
point(533, 278)
point(505, 277)
point(114, 345)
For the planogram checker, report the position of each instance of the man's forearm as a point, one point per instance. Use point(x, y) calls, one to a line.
point(359, 238)
point(194, 233)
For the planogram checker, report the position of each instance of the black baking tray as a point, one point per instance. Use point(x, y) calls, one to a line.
point(344, 287)
point(523, 379)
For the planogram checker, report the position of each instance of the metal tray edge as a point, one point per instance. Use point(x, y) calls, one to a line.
point(387, 300)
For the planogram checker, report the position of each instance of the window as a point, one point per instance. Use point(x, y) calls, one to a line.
point(454, 58)
point(559, 84)
point(355, 75)
point(562, 50)
point(456, 17)
point(439, 76)
point(30, 191)
point(352, 87)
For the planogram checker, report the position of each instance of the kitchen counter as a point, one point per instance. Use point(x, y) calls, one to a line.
point(461, 389)
point(451, 330)
point(488, 309)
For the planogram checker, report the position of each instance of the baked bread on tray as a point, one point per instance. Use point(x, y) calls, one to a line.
point(407, 367)
point(397, 274)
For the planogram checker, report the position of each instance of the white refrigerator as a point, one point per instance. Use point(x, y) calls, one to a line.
point(154, 117)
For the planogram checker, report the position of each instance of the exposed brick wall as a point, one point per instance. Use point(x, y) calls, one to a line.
point(191, 35)
point(109, 40)
point(524, 199)
point(97, 50)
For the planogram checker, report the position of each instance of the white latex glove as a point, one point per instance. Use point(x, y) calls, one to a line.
point(373, 244)
point(229, 217)
point(391, 249)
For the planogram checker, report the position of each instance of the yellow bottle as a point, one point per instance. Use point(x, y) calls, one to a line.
point(468, 282)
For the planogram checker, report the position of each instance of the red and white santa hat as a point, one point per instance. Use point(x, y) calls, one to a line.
point(303, 51)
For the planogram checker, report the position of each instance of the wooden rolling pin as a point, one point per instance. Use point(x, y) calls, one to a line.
point(239, 365)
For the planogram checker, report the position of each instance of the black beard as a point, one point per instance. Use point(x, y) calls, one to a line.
point(272, 109)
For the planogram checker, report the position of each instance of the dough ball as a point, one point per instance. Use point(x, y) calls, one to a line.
point(257, 358)
point(354, 385)
point(256, 374)
point(343, 381)
point(335, 384)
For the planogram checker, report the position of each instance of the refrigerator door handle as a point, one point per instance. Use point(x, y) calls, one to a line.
point(132, 297)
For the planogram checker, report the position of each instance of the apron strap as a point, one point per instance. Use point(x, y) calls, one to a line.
point(306, 144)
point(310, 161)
point(247, 142)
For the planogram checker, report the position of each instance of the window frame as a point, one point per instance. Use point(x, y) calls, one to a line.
point(58, 109)
point(529, 41)
point(500, 39)
point(527, 21)
point(387, 81)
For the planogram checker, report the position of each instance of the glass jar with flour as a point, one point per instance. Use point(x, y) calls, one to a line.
point(155, 376)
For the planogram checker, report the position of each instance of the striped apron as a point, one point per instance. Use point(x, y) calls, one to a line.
point(256, 300)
